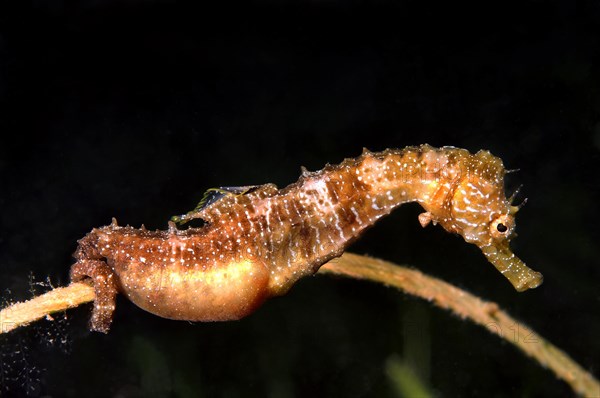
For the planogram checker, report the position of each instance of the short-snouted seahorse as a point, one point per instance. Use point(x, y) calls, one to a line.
point(256, 244)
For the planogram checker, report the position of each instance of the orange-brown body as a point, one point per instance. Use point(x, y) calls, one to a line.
point(257, 244)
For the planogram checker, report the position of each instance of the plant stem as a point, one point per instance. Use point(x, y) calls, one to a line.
point(440, 293)
point(56, 300)
point(468, 306)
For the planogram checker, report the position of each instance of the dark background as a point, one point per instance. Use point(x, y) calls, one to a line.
point(133, 109)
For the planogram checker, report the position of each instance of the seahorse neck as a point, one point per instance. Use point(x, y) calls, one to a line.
point(420, 174)
point(330, 208)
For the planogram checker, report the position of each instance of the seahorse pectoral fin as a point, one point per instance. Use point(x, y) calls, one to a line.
point(425, 219)
point(520, 275)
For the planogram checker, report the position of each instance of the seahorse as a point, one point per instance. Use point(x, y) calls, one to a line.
point(258, 241)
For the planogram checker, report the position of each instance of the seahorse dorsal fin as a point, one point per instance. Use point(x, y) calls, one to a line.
point(213, 199)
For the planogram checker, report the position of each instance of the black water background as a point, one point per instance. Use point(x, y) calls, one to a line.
point(133, 109)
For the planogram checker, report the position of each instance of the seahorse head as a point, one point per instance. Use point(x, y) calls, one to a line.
point(480, 212)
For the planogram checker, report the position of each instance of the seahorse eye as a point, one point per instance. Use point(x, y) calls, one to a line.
point(502, 227)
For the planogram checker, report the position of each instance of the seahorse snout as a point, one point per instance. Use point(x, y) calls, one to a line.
point(520, 275)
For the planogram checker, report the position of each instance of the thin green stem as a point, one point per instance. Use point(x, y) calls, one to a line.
point(440, 293)
point(468, 306)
